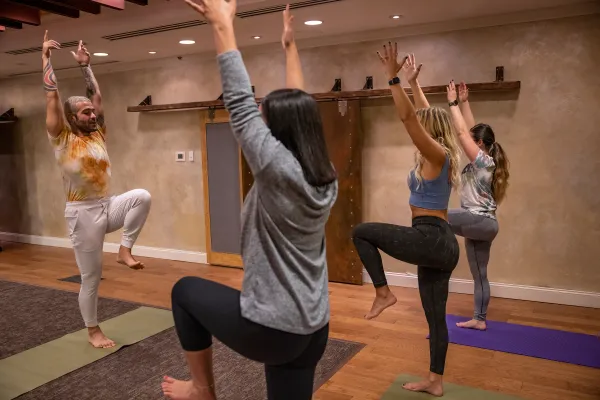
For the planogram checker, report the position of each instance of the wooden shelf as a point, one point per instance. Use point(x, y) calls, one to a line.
point(334, 96)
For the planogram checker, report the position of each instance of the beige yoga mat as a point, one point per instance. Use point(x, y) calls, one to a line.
point(32, 368)
point(451, 392)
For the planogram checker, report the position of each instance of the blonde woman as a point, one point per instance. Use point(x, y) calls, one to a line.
point(429, 243)
point(484, 184)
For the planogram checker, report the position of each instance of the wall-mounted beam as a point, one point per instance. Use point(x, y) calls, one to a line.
point(114, 4)
point(8, 23)
point(139, 2)
point(336, 96)
point(51, 8)
point(81, 5)
point(19, 13)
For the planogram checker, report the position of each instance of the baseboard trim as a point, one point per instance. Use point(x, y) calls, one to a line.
point(504, 290)
point(142, 251)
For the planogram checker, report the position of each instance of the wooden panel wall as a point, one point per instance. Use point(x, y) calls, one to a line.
point(342, 126)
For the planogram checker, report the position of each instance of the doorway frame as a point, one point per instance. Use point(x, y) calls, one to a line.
point(219, 116)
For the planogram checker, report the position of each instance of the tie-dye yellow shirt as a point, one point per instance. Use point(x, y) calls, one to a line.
point(84, 164)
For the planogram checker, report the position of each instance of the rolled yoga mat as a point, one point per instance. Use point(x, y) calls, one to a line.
point(549, 344)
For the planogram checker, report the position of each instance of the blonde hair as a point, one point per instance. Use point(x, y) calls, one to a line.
point(437, 123)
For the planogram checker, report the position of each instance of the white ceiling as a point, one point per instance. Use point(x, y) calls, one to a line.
point(345, 17)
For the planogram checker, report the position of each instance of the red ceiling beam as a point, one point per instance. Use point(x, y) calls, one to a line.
point(81, 5)
point(8, 23)
point(114, 4)
point(50, 7)
point(19, 13)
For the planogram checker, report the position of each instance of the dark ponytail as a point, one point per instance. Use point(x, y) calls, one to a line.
point(485, 133)
point(501, 174)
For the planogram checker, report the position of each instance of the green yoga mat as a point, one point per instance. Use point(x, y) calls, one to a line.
point(451, 392)
point(32, 368)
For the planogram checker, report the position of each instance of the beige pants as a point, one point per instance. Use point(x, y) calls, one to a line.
point(88, 223)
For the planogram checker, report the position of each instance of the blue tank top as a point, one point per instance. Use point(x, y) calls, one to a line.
point(431, 194)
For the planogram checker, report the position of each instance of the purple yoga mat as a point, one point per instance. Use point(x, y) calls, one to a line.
point(550, 344)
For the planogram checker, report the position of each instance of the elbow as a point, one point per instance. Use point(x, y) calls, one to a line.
point(408, 116)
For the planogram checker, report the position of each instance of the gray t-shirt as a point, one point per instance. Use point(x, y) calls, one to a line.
point(476, 191)
point(285, 283)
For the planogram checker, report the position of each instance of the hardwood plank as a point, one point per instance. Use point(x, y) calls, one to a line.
point(333, 96)
point(395, 342)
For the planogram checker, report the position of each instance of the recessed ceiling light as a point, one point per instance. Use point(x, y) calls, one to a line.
point(187, 42)
point(395, 16)
point(152, 52)
point(101, 54)
point(314, 22)
point(255, 37)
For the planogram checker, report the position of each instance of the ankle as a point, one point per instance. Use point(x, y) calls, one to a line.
point(94, 329)
point(383, 291)
point(435, 378)
point(204, 388)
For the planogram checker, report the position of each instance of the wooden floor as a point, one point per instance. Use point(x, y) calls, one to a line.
point(396, 341)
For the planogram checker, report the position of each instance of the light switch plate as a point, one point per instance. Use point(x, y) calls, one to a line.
point(191, 155)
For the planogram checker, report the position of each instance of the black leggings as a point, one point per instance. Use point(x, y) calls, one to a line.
point(432, 246)
point(202, 308)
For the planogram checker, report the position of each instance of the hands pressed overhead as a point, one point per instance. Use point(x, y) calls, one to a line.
point(48, 45)
point(215, 11)
point(82, 56)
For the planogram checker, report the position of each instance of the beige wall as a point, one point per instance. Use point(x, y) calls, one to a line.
point(549, 233)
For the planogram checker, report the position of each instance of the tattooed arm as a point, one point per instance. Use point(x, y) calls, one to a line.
point(92, 89)
point(54, 110)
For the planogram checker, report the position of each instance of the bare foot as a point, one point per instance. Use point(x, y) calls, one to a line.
point(433, 388)
point(381, 303)
point(473, 324)
point(97, 338)
point(184, 390)
point(127, 259)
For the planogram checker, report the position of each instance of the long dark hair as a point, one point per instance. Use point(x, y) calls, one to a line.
point(485, 133)
point(294, 119)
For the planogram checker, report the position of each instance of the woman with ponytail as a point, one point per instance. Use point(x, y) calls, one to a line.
point(484, 184)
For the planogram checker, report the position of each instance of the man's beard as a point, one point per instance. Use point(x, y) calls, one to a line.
point(86, 127)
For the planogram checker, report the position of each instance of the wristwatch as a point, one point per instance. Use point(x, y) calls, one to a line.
point(453, 103)
point(394, 81)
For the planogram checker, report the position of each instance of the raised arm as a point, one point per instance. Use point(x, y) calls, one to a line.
point(465, 107)
point(55, 121)
point(92, 89)
point(294, 78)
point(247, 124)
point(460, 127)
point(411, 73)
point(429, 148)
